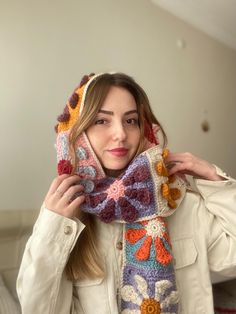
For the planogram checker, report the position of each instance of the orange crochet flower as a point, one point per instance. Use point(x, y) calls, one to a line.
point(165, 190)
point(170, 194)
point(165, 153)
point(150, 306)
point(161, 169)
point(156, 233)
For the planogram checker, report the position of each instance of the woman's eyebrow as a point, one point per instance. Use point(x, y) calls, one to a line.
point(111, 112)
point(106, 112)
point(131, 111)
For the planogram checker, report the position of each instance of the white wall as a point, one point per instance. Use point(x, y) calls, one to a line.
point(46, 47)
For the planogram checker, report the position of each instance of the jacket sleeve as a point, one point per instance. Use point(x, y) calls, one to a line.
point(220, 201)
point(41, 284)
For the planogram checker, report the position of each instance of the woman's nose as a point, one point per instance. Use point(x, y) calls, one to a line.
point(119, 132)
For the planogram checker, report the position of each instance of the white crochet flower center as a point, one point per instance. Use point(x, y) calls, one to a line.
point(155, 228)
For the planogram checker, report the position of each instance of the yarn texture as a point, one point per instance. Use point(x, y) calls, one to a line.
point(140, 199)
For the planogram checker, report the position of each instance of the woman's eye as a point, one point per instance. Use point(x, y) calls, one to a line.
point(100, 121)
point(132, 121)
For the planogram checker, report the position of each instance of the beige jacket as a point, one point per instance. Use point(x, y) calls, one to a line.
point(203, 234)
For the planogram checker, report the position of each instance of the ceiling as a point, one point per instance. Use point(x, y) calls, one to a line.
point(217, 18)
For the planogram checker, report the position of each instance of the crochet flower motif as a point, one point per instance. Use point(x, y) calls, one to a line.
point(159, 304)
point(116, 190)
point(120, 198)
point(155, 232)
point(86, 167)
point(64, 167)
point(170, 194)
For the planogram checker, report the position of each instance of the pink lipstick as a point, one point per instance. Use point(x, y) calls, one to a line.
point(119, 152)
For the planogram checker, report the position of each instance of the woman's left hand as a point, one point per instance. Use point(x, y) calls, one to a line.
point(187, 163)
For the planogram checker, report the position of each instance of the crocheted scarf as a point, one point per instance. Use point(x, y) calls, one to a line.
point(139, 199)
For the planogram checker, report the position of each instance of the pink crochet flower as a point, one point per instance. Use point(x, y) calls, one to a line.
point(125, 198)
point(116, 190)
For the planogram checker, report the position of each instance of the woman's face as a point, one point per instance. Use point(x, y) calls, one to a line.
point(115, 133)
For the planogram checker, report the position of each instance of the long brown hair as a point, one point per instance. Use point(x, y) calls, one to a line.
point(84, 260)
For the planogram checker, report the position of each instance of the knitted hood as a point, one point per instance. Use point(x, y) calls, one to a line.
point(144, 182)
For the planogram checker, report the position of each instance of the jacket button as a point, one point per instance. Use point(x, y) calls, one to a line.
point(68, 230)
point(119, 245)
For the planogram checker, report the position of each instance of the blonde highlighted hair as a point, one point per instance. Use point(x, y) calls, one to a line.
point(84, 260)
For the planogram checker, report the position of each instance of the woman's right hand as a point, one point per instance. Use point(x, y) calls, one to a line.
point(60, 197)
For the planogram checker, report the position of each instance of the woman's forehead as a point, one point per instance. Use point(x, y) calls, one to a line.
point(119, 98)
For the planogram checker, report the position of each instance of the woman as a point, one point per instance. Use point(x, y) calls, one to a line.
point(101, 242)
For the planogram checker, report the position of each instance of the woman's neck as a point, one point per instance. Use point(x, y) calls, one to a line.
point(113, 173)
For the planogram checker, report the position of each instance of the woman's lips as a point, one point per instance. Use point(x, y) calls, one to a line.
point(118, 151)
